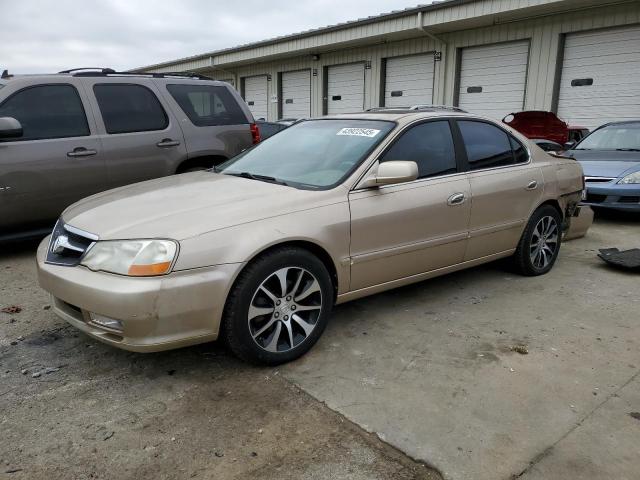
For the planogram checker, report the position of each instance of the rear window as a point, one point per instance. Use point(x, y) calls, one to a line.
point(127, 108)
point(488, 146)
point(207, 105)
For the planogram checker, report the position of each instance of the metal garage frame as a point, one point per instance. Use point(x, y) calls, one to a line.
point(280, 98)
point(557, 79)
point(458, 67)
point(383, 73)
point(325, 82)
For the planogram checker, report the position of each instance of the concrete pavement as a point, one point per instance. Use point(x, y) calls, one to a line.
point(430, 369)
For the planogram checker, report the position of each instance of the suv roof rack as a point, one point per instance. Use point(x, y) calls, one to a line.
point(98, 69)
point(100, 72)
point(419, 107)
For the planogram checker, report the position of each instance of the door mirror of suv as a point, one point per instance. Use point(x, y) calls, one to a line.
point(10, 128)
point(388, 173)
point(569, 145)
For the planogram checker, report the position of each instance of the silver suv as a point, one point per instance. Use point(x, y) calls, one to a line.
point(69, 135)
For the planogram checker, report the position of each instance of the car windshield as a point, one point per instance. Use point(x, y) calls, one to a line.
point(315, 154)
point(624, 136)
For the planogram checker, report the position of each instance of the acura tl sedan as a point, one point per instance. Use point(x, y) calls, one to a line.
point(610, 157)
point(258, 251)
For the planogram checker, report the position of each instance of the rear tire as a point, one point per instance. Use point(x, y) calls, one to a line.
point(278, 307)
point(540, 243)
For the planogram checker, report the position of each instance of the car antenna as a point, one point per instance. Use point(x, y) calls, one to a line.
point(5, 74)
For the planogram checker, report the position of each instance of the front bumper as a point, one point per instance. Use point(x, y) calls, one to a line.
point(157, 313)
point(614, 196)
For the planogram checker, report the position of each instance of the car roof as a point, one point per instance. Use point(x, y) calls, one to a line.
point(107, 73)
point(402, 115)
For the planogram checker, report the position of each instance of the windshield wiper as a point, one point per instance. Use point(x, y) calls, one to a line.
point(628, 149)
point(261, 178)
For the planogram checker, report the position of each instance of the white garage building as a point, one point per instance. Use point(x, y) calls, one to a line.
point(579, 58)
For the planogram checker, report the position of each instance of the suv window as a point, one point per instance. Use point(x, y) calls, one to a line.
point(47, 111)
point(488, 146)
point(129, 108)
point(207, 105)
point(430, 145)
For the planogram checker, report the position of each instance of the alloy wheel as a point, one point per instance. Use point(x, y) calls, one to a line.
point(544, 242)
point(285, 309)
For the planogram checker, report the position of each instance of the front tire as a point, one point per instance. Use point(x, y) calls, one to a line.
point(278, 307)
point(540, 243)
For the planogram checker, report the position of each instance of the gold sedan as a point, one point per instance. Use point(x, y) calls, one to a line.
point(259, 250)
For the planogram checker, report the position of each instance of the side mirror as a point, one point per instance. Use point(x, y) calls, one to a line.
point(10, 128)
point(388, 173)
point(569, 145)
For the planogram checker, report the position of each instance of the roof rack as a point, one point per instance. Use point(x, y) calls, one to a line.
point(419, 107)
point(103, 72)
point(437, 107)
point(98, 69)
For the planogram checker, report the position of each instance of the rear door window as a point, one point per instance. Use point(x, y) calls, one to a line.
point(207, 105)
point(428, 144)
point(47, 112)
point(487, 146)
point(127, 108)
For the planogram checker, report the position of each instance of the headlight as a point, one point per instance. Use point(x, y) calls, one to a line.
point(631, 178)
point(137, 258)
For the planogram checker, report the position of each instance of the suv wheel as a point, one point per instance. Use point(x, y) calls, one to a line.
point(279, 307)
point(540, 243)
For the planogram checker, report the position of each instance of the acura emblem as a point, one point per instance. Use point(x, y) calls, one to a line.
point(60, 244)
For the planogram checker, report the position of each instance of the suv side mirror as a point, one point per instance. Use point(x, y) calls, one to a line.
point(395, 171)
point(569, 145)
point(10, 128)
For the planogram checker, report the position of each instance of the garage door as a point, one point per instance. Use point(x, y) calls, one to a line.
point(600, 79)
point(409, 80)
point(345, 88)
point(255, 94)
point(493, 78)
point(296, 94)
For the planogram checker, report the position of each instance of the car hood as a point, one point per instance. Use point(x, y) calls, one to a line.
point(183, 206)
point(606, 163)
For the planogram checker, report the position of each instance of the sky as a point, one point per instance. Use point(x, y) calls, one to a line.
point(38, 36)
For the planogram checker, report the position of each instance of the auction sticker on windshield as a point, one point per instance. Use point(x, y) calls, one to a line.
point(359, 132)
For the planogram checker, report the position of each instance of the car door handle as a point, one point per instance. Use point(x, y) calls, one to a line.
point(456, 199)
point(167, 142)
point(81, 152)
point(532, 185)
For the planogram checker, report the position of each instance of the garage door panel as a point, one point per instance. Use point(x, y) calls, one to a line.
point(412, 77)
point(256, 91)
point(345, 88)
point(497, 50)
point(606, 49)
point(611, 59)
point(296, 94)
point(488, 81)
point(511, 61)
point(499, 74)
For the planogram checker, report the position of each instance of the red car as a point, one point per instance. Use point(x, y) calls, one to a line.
point(544, 125)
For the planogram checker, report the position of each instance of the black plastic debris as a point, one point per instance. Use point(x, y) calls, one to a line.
point(629, 259)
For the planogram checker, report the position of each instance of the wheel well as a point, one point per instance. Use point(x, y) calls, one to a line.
point(204, 161)
point(554, 204)
point(313, 248)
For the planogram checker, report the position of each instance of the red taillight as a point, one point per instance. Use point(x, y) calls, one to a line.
point(255, 133)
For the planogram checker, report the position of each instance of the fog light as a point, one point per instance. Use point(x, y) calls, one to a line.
point(106, 322)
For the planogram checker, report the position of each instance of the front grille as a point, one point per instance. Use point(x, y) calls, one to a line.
point(595, 198)
point(629, 200)
point(68, 245)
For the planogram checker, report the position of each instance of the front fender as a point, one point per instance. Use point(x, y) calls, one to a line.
point(326, 227)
